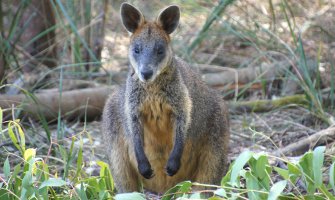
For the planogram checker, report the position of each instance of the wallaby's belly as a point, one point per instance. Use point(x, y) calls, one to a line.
point(158, 125)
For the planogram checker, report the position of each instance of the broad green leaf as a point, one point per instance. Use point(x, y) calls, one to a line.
point(252, 186)
point(261, 170)
point(293, 169)
point(52, 182)
point(216, 198)
point(170, 194)
point(22, 137)
point(29, 153)
point(81, 192)
point(27, 179)
point(106, 175)
point(6, 169)
point(277, 189)
point(220, 192)
point(196, 195)
point(130, 196)
point(261, 163)
point(306, 167)
point(318, 156)
point(238, 165)
point(185, 187)
point(332, 176)
point(13, 137)
point(282, 172)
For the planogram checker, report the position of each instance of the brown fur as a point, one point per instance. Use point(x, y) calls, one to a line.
point(153, 114)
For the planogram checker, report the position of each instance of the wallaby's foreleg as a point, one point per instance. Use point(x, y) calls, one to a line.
point(173, 163)
point(136, 129)
point(143, 164)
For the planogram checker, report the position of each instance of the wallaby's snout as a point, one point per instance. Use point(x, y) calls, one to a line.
point(150, 51)
point(147, 74)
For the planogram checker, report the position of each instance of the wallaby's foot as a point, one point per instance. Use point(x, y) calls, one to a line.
point(145, 170)
point(172, 166)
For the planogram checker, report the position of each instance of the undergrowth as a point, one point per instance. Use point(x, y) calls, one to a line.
point(250, 176)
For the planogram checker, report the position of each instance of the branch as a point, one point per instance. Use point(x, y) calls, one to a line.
point(243, 75)
point(321, 137)
point(267, 105)
point(72, 104)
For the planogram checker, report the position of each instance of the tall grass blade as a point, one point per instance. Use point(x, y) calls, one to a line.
point(215, 14)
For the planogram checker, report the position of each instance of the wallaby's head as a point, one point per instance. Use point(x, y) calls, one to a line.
point(150, 51)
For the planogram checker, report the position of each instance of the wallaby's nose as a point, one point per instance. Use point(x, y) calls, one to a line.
point(147, 74)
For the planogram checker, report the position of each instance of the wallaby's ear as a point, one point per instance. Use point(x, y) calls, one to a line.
point(169, 18)
point(131, 17)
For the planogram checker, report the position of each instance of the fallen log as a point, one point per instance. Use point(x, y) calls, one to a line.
point(301, 146)
point(71, 104)
point(243, 75)
point(267, 105)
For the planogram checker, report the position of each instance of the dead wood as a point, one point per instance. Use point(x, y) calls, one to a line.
point(301, 146)
point(72, 104)
point(227, 60)
point(244, 75)
point(267, 105)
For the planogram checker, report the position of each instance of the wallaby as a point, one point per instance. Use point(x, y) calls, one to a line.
point(165, 125)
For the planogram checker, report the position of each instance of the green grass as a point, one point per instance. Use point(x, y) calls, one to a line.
point(250, 176)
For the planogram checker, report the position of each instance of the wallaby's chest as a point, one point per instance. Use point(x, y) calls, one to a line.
point(157, 119)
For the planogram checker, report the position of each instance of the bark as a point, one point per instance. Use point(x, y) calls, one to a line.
point(244, 75)
point(321, 137)
point(267, 105)
point(72, 104)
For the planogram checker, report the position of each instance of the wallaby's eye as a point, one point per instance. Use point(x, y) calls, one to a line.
point(137, 50)
point(160, 51)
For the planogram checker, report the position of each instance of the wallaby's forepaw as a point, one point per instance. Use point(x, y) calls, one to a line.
point(172, 167)
point(145, 170)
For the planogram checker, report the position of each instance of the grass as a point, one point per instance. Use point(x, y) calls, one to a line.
point(55, 169)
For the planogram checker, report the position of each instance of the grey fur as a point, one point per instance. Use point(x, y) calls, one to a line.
point(198, 118)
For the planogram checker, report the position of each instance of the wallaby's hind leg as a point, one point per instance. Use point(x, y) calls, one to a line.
point(214, 163)
point(124, 175)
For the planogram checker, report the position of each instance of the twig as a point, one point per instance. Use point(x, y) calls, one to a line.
point(322, 136)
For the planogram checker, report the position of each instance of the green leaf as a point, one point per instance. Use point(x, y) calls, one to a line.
point(221, 192)
point(277, 189)
point(306, 167)
point(282, 172)
point(6, 168)
point(106, 175)
point(196, 195)
point(29, 153)
point(13, 137)
point(130, 196)
point(332, 176)
point(81, 192)
point(53, 182)
point(185, 187)
point(238, 165)
point(180, 187)
point(252, 186)
point(318, 156)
